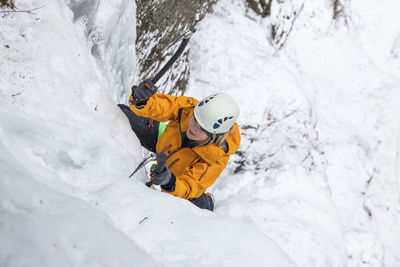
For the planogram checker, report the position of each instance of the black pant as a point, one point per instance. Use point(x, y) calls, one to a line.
point(145, 129)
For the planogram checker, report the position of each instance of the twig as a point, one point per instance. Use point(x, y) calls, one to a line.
point(25, 11)
point(284, 117)
point(16, 94)
point(143, 219)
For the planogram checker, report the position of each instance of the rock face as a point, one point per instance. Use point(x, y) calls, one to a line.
point(7, 3)
point(261, 7)
point(160, 23)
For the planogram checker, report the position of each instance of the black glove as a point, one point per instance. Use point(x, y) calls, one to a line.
point(161, 178)
point(143, 91)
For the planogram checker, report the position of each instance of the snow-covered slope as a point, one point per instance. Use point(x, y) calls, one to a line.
point(41, 226)
point(66, 151)
point(318, 166)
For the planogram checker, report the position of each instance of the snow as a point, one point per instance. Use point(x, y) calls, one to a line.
point(43, 227)
point(320, 122)
point(315, 182)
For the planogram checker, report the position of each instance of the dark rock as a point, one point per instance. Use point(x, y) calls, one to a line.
point(160, 23)
point(261, 7)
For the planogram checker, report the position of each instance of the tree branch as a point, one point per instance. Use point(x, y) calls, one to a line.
point(23, 11)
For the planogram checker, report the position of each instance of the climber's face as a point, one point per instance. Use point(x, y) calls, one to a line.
point(194, 131)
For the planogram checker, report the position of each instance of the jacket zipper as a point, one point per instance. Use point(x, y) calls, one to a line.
point(204, 172)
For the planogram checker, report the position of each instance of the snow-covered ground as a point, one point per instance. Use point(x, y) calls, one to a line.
point(319, 169)
point(316, 180)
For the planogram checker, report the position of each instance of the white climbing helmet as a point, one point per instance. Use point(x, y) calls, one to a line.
point(217, 113)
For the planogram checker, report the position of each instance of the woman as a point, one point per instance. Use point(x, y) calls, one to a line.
point(198, 140)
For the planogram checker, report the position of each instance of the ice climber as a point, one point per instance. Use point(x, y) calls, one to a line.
point(198, 139)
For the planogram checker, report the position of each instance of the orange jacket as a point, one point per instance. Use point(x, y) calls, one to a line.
point(195, 168)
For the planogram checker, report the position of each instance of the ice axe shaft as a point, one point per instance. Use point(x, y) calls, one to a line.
point(186, 36)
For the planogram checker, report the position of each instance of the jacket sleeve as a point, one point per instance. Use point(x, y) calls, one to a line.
point(162, 107)
point(197, 178)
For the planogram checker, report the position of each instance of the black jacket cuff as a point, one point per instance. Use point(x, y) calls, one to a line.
point(140, 104)
point(170, 187)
